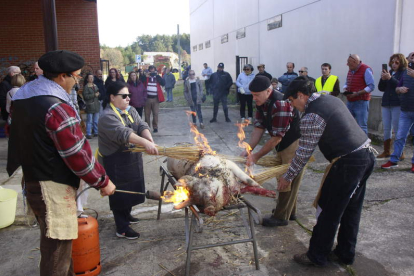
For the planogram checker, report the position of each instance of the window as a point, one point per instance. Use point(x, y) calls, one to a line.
point(195, 48)
point(224, 38)
point(274, 23)
point(200, 46)
point(241, 33)
point(207, 44)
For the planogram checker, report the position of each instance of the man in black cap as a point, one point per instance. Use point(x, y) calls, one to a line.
point(220, 83)
point(327, 123)
point(47, 141)
point(282, 122)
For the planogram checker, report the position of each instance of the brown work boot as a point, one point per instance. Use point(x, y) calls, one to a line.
point(402, 157)
point(387, 149)
point(303, 259)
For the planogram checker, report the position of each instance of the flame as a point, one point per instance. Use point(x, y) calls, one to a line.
point(244, 145)
point(197, 167)
point(177, 196)
point(199, 138)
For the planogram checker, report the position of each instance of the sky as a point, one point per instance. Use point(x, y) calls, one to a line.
point(121, 21)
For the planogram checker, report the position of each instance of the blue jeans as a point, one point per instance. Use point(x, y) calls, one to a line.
point(359, 110)
point(197, 109)
point(169, 94)
point(404, 126)
point(390, 119)
point(92, 119)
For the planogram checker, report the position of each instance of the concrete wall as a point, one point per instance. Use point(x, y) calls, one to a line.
point(312, 32)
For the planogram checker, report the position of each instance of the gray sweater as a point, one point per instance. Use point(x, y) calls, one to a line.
point(113, 135)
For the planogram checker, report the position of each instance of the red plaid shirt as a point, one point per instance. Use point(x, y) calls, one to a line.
point(64, 129)
point(282, 115)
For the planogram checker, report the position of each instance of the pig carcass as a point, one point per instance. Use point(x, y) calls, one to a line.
point(212, 182)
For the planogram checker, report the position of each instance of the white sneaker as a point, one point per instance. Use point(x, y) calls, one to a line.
point(242, 120)
point(250, 120)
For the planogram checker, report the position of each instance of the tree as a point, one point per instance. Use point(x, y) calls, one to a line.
point(114, 56)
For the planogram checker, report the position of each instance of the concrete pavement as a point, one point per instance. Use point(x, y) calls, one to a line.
point(385, 239)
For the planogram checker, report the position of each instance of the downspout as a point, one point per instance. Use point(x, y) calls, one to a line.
point(398, 25)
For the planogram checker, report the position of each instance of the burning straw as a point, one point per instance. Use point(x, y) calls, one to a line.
point(187, 152)
point(270, 173)
point(265, 161)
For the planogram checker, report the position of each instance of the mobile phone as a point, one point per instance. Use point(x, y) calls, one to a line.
point(385, 67)
point(411, 65)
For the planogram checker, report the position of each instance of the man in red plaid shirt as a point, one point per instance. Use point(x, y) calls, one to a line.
point(47, 141)
point(282, 122)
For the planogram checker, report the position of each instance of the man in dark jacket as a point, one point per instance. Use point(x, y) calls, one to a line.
point(287, 77)
point(220, 83)
point(98, 80)
point(261, 68)
point(5, 86)
point(169, 84)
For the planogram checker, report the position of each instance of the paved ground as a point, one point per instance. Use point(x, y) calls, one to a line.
point(385, 245)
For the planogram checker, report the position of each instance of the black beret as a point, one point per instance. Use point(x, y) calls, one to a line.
point(259, 83)
point(220, 65)
point(61, 61)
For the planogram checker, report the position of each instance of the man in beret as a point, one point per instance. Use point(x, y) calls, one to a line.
point(47, 141)
point(327, 123)
point(220, 83)
point(282, 122)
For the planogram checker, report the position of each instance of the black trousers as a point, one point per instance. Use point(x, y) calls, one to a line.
point(223, 99)
point(121, 217)
point(207, 84)
point(341, 202)
point(243, 100)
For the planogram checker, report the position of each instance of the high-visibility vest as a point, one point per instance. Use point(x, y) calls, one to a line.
point(328, 86)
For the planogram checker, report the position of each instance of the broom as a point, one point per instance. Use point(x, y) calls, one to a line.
point(265, 161)
point(187, 152)
point(276, 171)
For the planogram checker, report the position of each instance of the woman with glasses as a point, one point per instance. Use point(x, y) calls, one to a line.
point(120, 126)
point(138, 92)
point(91, 96)
point(245, 96)
point(114, 76)
point(193, 93)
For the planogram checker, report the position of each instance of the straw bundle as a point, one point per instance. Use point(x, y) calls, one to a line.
point(265, 161)
point(269, 173)
point(187, 152)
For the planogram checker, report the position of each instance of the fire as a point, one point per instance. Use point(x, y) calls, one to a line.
point(199, 138)
point(197, 167)
point(177, 196)
point(242, 144)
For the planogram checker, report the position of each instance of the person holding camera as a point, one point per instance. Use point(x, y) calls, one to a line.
point(390, 105)
point(193, 93)
point(155, 96)
point(405, 89)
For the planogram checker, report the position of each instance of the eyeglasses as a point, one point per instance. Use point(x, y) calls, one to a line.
point(191, 74)
point(124, 96)
point(302, 71)
point(246, 69)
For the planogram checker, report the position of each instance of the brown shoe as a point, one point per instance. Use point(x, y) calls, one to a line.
point(303, 259)
point(402, 157)
point(387, 149)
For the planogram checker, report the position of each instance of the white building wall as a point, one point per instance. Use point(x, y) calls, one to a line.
point(312, 32)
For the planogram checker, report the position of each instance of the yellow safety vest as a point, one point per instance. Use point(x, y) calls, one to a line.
point(328, 86)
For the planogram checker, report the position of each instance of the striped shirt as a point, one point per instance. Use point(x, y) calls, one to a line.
point(152, 87)
point(64, 129)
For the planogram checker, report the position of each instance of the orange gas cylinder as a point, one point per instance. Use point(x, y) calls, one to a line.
point(86, 253)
